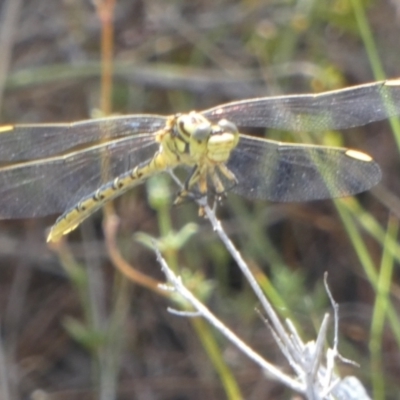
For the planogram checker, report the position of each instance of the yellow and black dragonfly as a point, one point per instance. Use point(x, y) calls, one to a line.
point(75, 168)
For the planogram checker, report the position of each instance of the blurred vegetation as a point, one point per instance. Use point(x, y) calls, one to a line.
point(74, 326)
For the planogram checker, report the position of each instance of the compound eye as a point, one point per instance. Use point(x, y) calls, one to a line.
point(228, 126)
point(202, 131)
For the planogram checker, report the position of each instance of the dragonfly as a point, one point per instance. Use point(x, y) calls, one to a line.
point(75, 168)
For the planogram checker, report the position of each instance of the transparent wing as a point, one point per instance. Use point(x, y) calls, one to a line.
point(338, 109)
point(291, 172)
point(51, 185)
point(27, 142)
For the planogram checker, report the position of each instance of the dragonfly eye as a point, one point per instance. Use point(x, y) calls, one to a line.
point(228, 126)
point(202, 131)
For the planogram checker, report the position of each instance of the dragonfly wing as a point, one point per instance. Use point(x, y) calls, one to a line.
point(338, 109)
point(27, 142)
point(291, 172)
point(51, 185)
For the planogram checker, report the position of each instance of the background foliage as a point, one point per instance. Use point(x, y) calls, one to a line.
point(75, 327)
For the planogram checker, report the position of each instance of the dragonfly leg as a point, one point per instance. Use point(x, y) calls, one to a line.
point(200, 177)
point(228, 174)
point(194, 178)
point(219, 188)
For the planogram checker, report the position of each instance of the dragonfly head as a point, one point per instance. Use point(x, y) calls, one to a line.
point(200, 138)
point(202, 131)
point(193, 126)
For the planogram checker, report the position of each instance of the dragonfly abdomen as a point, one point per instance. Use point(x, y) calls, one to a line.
point(93, 202)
